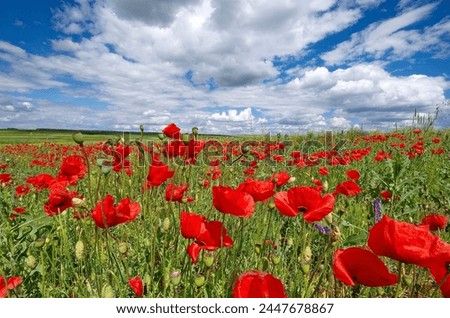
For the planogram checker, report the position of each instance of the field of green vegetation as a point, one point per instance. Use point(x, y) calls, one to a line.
point(180, 214)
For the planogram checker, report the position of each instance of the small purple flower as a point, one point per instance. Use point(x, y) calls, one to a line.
point(377, 209)
point(322, 229)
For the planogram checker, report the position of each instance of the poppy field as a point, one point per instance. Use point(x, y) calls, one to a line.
point(349, 214)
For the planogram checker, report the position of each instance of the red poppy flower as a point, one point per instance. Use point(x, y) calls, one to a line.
point(18, 210)
point(59, 199)
point(176, 193)
point(353, 174)
point(157, 174)
point(230, 201)
point(435, 222)
point(8, 284)
point(172, 131)
point(209, 235)
point(406, 242)
point(22, 189)
point(106, 214)
point(439, 270)
point(386, 195)
point(259, 190)
point(119, 152)
point(323, 171)
point(191, 224)
point(72, 169)
point(306, 200)
point(280, 178)
point(257, 284)
point(41, 181)
point(5, 178)
point(356, 265)
point(136, 285)
point(348, 188)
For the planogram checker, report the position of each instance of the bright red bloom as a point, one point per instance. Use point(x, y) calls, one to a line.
point(436, 140)
point(259, 190)
point(417, 131)
point(406, 242)
point(356, 265)
point(191, 224)
point(18, 210)
point(353, 174)
point(348, 188)
point(306, 200)
point(280, 178)
point(136, 285)
point(59, 199)
point(157, 174)
point(72, 169)
point(106, 214)
point(230, 201)
point(257, 284)
point(22, 189)
point(119, 152)
point(386, 195)
point(323, 171)
point(5, 178)
point(41, 181)
point(172, 131)
point(176, 193)
point(8, 284)
point(435, 222)
point(209, 235)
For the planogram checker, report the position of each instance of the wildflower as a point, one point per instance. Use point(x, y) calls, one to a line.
point(7, 284)
point(257, 284)
point(377, 210)
point(233, 201)
point(172, 131)
point(136, 285)
point(259, 190)
point(106, 214)
point(306, 200)
point(356, 265)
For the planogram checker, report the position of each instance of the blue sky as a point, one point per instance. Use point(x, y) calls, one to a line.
point(236, 66)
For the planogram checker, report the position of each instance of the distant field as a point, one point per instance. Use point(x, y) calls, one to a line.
point(15, 136)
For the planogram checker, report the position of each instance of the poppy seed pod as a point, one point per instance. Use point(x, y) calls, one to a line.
point(175, 278)
point(78, 137)
point(199, 280)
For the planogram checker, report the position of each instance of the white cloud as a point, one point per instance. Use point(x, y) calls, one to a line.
point(134, 64)
point(390, 38)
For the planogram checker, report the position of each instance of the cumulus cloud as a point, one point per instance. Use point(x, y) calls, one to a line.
point(154, 62)
point(392, 40)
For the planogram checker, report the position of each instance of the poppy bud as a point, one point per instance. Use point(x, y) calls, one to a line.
point(175, 277)
point(271, 205)
point(335, 234)
point(289, 242)
point(89, 287)
point(165, 225)
point(141, 128)
point(407, 280)
point(30, 261)
point(78, 138)
point(325, 186)
point(79, 250)
point(305, 268)
point(39, 242)
point(245, 149)
point(123, 248)
point(161, 136)
point(291, 180)
point(199, 280)
point(276, 259)
point(208, 259)
point(195, 131)
point(258, 249)
point(108, 292)
point(329, 218)
point(306, 254)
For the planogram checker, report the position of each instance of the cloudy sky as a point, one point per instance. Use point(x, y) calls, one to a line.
point(225, 66)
